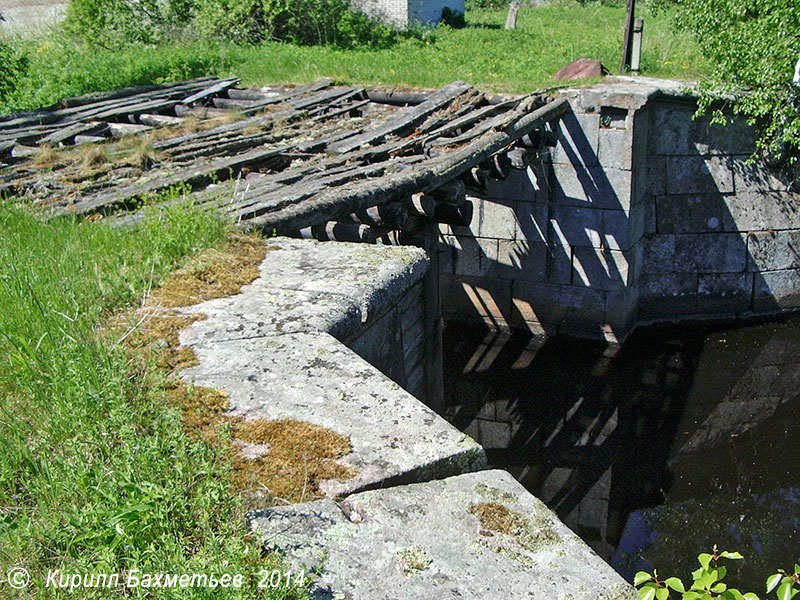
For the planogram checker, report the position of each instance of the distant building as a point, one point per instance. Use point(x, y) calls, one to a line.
point(409, 12)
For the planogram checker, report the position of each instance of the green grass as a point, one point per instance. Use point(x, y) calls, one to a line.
point(483, 53)
point(96, 474)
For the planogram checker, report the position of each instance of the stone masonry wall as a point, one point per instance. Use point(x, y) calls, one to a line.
point(639, 214)
point(409, 12)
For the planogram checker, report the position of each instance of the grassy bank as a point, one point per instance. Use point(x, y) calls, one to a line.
point(96, 472)
point(482, 53)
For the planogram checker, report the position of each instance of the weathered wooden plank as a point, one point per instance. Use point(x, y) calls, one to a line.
point(423, 177)
point(231, 103)
point(250, 94)
point(66, 134)
point(214, 133)
point(119, 130)
point(398, 98)
point(88, 139)
point(348, 108)
point(194, 175)
point(79, 112)
point(286, 96)
point(408, 117)
point(159, 120)
point(212, 90)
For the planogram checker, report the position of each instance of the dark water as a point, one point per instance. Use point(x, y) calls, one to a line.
point(654, 451)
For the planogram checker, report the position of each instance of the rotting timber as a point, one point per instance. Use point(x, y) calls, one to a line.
point(322, 161)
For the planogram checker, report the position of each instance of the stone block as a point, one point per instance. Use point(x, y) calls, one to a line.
point(670, 129)
point(581, 186)
point(477, 299)
point(675, 131)
point(550, 304)
point(754, 211)
point(658, 255)
point(315, 378)
point(773, 250)
point(667, 295)
point(576, 226)
point(468, 256)
point(641, 222)
point(710, 253)
point(724, 293)
point(619, 229)
point(495, 434)
point(494, 219)
point(523, 260)
point(532, 220)
point(520, 185)
point(435, 540)
point(775, 290)
point(656, 170)
point(578, 138)
point(698, 175)
point(755, 177)
point(621, 307)
point(615, 148)
point(691, 213)
point(380, 344)
point(599, 268)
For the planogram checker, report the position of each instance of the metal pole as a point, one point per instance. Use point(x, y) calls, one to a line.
point(626, 44)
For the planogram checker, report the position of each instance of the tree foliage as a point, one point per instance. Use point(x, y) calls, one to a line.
point(753, 46)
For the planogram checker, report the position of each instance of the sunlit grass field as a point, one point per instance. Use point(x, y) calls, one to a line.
point(482, 53)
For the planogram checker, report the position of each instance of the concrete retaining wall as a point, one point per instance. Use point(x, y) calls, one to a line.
point(429, 527)
point(639, 214)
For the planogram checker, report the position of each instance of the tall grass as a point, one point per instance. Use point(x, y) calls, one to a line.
point(483, 53)
point(96, 474)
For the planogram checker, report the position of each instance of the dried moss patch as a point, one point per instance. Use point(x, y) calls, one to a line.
point(300, 456)
point(215, 274)
point(496, 517)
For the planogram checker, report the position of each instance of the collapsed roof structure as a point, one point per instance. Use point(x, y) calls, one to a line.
point(319, 160)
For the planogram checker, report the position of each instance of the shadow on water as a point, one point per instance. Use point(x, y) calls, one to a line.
point(652, 451)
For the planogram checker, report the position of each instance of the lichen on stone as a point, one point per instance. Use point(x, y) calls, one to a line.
point(413, 560)
point(533, 532)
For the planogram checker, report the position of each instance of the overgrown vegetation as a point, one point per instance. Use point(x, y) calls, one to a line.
point(547, 37)
point(96, 472)
point(708, 582)
point(752, 48)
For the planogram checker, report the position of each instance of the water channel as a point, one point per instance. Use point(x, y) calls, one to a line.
point(653, 451)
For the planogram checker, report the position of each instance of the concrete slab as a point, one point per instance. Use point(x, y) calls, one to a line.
point(271, 348)
point(306, 285)
point(315, 378)
point(475, 536)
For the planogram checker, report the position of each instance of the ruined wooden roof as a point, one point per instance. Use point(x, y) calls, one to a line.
point(278, 159)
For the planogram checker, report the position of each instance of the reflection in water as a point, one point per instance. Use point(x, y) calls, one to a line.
point(653, 451)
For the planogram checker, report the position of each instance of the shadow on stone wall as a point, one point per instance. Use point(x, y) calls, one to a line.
point(676, 225)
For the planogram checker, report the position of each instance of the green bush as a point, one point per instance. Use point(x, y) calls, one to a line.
point(13, 65)
point(107, 23)
point(301, 22)
point(753, 47)
point(707, 582)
